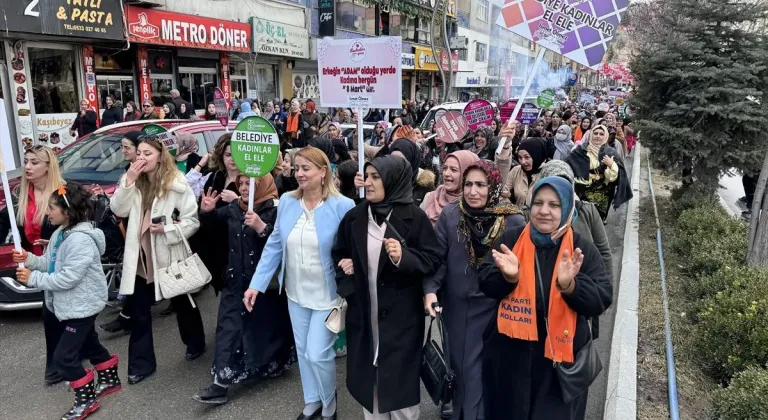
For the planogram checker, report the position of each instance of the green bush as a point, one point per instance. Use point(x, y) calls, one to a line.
point(728, 276)
point(708, 240)
point(732, 333)
point(745, 399)
point(696, 195)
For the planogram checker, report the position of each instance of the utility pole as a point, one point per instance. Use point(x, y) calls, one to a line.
point(446, 80)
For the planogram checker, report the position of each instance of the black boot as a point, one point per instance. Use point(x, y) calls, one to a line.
point(108, 381)
point(214, 394)
point(121, 323)
point(53, 377)
point(85, 398)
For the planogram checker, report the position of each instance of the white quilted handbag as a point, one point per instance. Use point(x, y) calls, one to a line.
point(183, 276)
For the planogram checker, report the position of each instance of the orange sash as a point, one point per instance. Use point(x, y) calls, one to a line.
point(517, 312)
point(293, 123)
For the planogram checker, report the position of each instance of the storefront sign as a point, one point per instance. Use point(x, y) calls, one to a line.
point(360, 67)
point(425, 61)
point(220, 102)
point(102, 19)
point(163, 136)
point(407, 61)
point(145, 85)
point(451, 127)
point(451, 12)
point(276, 38)
point(581, 31)
point(53, 130)
point(326, 12)
point(255, 146)
point(91, 92)
point(478, 112)
point(528, 114)
point(505, 112)
point(471, 80)
point(151, 26)
point(454, 65)
point(224, 65)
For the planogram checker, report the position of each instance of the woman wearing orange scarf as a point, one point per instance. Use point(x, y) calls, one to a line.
point(583, 128)
point(519, 379)
point(293, 126)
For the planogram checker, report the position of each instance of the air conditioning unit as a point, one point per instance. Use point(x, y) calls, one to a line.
point(459, 43)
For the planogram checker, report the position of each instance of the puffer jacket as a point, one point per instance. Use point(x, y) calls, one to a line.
point(77, 288)
point(167, 246)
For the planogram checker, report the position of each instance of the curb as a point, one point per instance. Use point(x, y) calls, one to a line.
point(621, 392)
point(725, 205)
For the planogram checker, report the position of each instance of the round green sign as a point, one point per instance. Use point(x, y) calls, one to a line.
point(255, 146)
point(546, 98)
point(168, 139)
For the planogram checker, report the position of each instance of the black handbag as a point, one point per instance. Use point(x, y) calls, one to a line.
point(575, 378)
point(436, 373)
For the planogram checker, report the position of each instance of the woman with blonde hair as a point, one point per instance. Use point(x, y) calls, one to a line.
point(300, 247)
point(39, 179)
point(160, 207)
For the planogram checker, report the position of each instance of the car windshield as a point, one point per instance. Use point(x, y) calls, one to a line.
point(95, 160)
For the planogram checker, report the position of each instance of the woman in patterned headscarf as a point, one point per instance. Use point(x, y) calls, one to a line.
point(466, 231)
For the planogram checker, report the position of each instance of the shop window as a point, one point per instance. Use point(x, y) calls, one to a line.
point(482, 10)
point(424, 31)
point(481, 51)
point(120, 87)
point(53, 81)
point(263, 81)
point(161, 91)
point(354, 15)
point(198, 88)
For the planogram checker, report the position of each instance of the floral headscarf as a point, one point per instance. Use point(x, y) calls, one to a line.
point(481, 227)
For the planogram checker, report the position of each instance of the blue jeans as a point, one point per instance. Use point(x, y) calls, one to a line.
point(314, 348)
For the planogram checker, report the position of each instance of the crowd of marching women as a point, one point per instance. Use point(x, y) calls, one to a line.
point(501, 236)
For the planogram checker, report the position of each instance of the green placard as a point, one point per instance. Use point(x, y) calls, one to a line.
point(623, 110)
point(255, 146)
point(168, 139)
point(546, 98)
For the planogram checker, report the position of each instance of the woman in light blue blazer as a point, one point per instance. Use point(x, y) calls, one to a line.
point(300, 245)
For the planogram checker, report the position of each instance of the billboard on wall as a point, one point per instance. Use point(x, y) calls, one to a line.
point(82, 19)
point(581, 30)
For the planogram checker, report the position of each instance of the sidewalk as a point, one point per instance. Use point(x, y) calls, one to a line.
point(730, 191)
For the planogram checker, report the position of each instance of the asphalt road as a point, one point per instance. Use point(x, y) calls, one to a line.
point(168, 394)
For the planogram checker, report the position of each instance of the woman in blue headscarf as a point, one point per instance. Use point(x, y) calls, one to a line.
point(548, 281)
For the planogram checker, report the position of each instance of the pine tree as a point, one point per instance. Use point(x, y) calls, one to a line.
point(699, 67)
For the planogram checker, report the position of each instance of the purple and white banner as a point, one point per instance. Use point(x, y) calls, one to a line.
point(578, 29)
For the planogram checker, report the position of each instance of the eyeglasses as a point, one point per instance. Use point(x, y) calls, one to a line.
point(34, 148)
point(147, 106)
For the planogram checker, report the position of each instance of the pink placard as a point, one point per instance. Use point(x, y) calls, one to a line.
point(451, 127)
point(478, 112)
point(351, 68)
point(220, 102)
point(505, 112)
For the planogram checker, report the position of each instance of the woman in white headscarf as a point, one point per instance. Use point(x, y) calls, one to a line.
point(563, 142)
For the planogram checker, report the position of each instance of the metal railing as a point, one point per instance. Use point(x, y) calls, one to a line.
point(674, 409)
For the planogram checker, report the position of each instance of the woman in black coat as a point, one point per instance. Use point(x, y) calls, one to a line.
point(113, 113)
point(379, 272)
point(257, 344)
point(519, 379)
